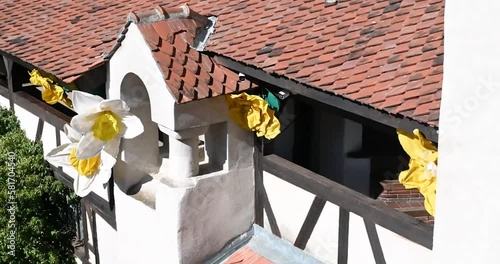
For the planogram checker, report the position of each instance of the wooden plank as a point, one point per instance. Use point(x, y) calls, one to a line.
point(378, 253)
point(339, 102)
point(102, 207)
point(10, 81)
point(111, 192)
point(39, 130)
point(62, 176)
point(85, 229)
point(78, 217)
point(259, 182)
point(58, 136)
point(310, 222)
point(23, 65)
point(269, 212)
point(343, 243)
point(368, 208)
point(93, 228)
point(41, 110)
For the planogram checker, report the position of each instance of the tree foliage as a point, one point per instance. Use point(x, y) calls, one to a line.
point(36, 220)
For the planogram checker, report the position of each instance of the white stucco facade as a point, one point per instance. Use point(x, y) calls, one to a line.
point(467, 208)
point(180, 203)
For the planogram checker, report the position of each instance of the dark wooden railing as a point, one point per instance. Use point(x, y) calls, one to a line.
point(372, 211)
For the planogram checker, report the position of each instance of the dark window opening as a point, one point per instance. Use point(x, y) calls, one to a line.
point(356, 154)
point(3, 72)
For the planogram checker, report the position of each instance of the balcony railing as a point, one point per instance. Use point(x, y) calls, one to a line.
point(372, 211)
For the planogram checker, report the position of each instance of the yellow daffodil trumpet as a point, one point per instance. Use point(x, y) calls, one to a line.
point(103, 122)
point(86, 167)
point(422, 172)
point(91, 173)
point(251, 112)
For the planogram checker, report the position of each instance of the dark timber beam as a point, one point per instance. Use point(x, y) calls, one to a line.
point(101, 206)
point(23, 64)
point(350, 200)
point(259, 181)
point(311, 220)
point(368, 112)
point(41, 109)
point(10, 81)
point(378, 253)
point(93, 228)
point(343, 239)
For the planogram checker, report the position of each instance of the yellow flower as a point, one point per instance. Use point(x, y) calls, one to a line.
point(251, 112)
point(106, 126)
point(86, 167)
point(422, 167)
point(92, 172)
point(102, 122)
point(51, 93)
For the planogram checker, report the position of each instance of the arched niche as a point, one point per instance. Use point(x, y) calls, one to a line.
point(140, 155)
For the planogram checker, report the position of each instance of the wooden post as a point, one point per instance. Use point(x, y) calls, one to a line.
point(378, 253)
point(259, 183)
point(10, 83)
point(93, 228)
point(269, 212)
point(311, 219)
point(85, 229)
point(39, 130)
point(343, 249)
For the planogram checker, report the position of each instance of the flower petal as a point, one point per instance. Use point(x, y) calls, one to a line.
point(133, 126)
point(103, 176)
point(83, 185)
point(113, 147)
point(85, 103)
point(89, 146)
point(59, 156)
point(72, 134)
point(83, 123)
point(115, 105)
point(107, 161)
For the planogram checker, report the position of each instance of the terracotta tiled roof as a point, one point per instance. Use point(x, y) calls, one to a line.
point(387, 54)
point(189, 74)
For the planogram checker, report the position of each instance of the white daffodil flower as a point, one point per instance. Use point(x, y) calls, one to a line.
point(103, 123)
point(92, 172)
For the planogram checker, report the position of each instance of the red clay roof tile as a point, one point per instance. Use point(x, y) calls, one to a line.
point(75, 35)
point(189, 74)
point(246, 255)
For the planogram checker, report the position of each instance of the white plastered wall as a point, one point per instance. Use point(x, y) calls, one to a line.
point(172, 219)
point(134, 56)
point(467, 226)
point(290, 205)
